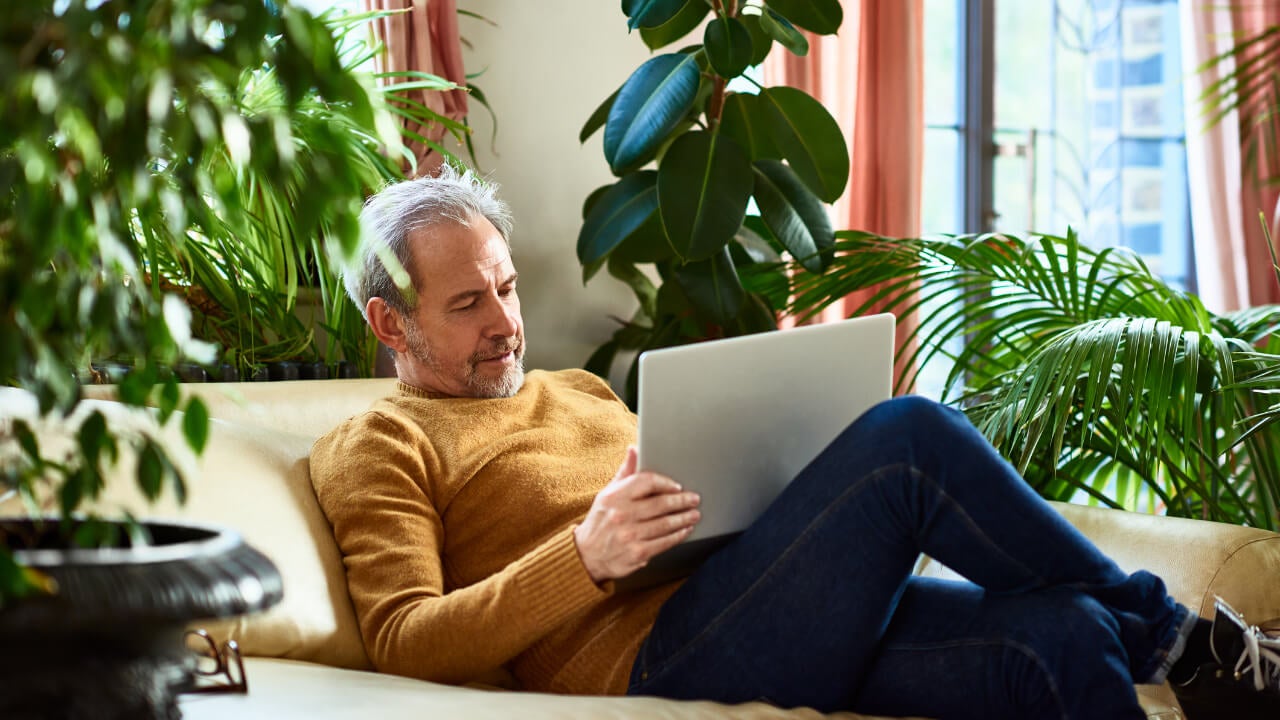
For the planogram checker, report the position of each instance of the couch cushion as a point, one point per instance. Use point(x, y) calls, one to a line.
point(282, 689)
point(257, 481)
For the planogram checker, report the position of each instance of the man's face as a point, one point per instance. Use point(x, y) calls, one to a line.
point(466, 337)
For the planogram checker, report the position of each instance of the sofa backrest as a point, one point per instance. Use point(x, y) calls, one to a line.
point(254, 477)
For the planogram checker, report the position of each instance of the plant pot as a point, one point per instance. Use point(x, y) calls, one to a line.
point(108, 643)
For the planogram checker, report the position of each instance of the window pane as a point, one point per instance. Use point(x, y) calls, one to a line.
point(1100, 86)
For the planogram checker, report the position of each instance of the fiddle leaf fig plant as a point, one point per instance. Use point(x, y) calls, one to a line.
point(121, 141)
point(710, 180)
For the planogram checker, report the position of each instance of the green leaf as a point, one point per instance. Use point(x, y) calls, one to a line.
point(704, 184)
point(820, 16)
point(623, 208)
point(594, 198)
point(748, 120)
point(650, 104)
point(810, 140)
point(761, 42)
point(685, 22)
point(728, 44)
point(601, 361)
point(796, 217)
point(713, 287)
point(778, 28)
point(755, 317)
point(645, 291)
point(170, 395)
point(648, 244)
point(597, 119)
point(150, 471)
point(650, 13)
point(195, 424)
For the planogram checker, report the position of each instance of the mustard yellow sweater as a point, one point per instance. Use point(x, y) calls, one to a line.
point(455, 519)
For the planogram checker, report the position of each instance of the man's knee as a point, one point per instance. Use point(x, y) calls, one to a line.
point(911, 417)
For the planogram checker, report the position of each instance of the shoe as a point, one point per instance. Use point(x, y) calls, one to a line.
point(1244, 683)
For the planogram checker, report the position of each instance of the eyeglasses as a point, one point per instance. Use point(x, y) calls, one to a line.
point(212, 664)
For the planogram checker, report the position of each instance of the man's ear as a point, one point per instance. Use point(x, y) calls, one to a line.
point(387, 324)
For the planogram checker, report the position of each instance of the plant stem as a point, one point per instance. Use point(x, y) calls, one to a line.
point(715, 106)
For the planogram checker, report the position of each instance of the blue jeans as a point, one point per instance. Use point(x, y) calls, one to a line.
point(815, 605)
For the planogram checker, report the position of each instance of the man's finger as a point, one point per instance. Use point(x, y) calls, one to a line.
point(628, 467)
point(658, 505)
point(669, 525)
point(643, 484)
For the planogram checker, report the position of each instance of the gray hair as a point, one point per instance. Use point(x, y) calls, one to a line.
point(380, 268)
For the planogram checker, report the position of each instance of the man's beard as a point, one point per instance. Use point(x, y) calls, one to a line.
point(505, 385)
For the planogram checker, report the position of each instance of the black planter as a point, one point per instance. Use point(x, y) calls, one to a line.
point(108, 644)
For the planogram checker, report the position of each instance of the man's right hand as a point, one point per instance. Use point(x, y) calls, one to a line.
point(635, 517)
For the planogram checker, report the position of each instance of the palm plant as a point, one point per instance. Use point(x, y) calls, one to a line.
point(1085, 369)
point(246, 280)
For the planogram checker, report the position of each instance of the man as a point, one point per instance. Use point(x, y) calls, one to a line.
point(482, 524)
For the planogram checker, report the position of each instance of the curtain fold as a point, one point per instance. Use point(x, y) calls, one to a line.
point(423, 36)
point(870, 77)
point(1233, 264)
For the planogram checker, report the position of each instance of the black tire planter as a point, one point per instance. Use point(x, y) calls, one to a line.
point(108, 644)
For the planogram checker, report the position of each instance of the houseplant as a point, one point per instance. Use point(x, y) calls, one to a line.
point(716, 152)
point(267, 290)
point(1083, 367)
point(109, 112)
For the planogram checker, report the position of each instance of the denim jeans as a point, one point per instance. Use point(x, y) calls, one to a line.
point(815, 604)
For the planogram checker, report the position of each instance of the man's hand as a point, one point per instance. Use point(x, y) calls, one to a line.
point(636, 516)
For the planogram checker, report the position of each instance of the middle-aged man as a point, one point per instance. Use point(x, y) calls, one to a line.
point(483, 514)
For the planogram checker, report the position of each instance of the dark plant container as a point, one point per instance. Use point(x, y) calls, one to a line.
point(346, 370)
point(108, 643)
point(282, 371)
point(191, 373)
point(224, 372)
point(313, 371)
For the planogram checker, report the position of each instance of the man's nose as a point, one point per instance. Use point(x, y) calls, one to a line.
point(504, 319)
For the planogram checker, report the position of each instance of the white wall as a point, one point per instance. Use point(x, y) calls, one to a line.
point(549, 64)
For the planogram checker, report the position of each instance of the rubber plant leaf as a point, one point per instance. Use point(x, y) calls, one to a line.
point(596, 121)
point(619, 211)
point(778, 28)
point(713, 287)
point(820, 16)
point(810, 140)
point(650, 104)
point(747, 120)
point(650, 13)
point(704, 184)
point(685, 22)
point(796, 217)
point(761, 42)
point(728, 44)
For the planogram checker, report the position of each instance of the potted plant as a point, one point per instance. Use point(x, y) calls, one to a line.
point(109, 114)
point(1085, 369)
point(267, 290)
point(740, 177)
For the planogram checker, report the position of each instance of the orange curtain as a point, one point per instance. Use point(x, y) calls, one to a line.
point(870, 77)
point(1233, 264)
point(424, 38)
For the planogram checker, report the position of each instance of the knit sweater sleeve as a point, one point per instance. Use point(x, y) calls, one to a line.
point(369, 476)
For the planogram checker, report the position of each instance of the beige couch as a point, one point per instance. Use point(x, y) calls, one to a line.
point(305, 656)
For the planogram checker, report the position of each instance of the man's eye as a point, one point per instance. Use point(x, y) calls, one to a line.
point(468, 306)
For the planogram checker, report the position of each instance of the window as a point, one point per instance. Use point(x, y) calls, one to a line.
point(1048, 115)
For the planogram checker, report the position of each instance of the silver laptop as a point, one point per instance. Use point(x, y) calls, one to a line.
point(736, 420)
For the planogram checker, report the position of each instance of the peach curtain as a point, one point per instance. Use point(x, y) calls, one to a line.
point(425, 38)
point(1233, 265)
point(870, 77)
